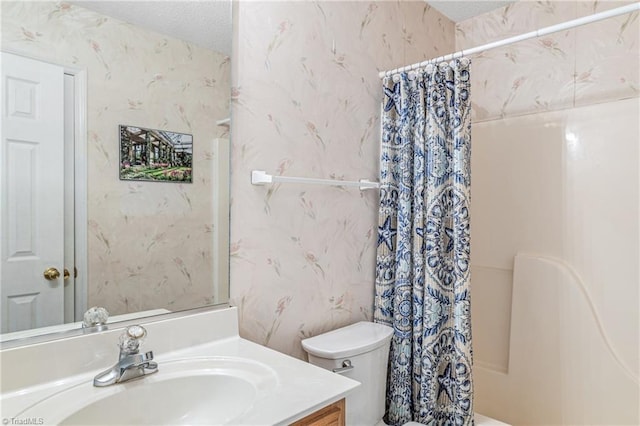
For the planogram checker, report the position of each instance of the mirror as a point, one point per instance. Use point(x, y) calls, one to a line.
point(74, 234)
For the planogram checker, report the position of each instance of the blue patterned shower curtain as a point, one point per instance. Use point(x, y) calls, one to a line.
point(422, 276)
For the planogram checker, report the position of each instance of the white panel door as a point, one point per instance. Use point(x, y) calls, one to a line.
point(32, 192)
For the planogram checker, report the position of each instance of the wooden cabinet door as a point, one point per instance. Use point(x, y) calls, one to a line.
point(331, 415)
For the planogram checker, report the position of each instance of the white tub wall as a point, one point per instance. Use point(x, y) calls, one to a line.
point(557, 343)
point(563, 187)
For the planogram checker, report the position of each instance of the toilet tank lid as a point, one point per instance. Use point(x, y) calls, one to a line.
point(354, 339)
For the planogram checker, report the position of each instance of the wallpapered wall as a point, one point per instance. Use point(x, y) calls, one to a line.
point(306, 103)
point(150, 244)
point(594, 63)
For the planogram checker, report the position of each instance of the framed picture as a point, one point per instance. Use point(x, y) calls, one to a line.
point(155, 155)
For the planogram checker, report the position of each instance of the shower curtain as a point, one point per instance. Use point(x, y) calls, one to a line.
point(422, 265)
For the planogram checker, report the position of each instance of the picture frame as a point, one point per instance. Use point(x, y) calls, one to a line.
point(154, 155)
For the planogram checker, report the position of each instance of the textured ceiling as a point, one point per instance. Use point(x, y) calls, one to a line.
point(207, 23)
point(457, 10)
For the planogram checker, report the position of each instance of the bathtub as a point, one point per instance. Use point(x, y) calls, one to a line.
point(481, 420)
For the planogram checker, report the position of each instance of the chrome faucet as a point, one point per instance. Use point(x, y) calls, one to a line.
point(131, 363)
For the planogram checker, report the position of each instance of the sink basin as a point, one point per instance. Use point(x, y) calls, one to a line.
point(200, 399)
point(207, 390)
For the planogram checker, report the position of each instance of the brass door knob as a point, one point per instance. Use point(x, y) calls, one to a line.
point(66, 273)
point(52, 274)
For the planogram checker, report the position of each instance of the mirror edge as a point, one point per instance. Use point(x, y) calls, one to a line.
point(66, 334)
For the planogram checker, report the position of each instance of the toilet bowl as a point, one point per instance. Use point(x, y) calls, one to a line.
point(361, 352)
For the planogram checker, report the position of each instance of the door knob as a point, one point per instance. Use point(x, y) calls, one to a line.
point(66, 273)
point(52, 274)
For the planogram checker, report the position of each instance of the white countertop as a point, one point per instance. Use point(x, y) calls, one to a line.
point(300, 388)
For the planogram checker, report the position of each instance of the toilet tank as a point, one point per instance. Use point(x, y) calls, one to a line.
point(364, 347)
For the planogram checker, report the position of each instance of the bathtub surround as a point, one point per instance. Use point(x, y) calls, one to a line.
point(555, 267)
point(558, 296)
point(156, 251)
point(422, 267)
point(306, 103)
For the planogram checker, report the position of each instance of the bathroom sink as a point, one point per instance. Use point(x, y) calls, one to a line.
point(207, 390)
point(205, 399)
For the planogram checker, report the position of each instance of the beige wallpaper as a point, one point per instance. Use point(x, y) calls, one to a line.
point(306, 103)
point(150, 243)
point(594, 63)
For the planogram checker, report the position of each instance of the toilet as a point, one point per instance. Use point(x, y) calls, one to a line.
point(361, 352)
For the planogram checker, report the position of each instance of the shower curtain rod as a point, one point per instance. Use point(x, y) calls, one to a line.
point(533, 34)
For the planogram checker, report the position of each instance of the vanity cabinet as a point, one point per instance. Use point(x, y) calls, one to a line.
point(331, 415)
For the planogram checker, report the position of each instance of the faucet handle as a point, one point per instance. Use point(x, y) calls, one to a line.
point(136, 332)
point(95, 317)
point(131, 338)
